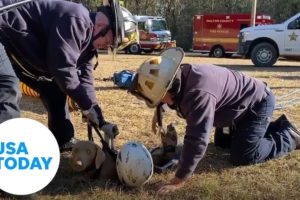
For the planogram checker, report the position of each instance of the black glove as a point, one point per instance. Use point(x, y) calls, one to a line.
point(94, 115)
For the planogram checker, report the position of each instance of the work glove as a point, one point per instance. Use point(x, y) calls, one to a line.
point(110, 129)
point(94, 115)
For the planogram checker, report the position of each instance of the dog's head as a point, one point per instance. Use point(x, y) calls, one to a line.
point(169, 139)
point(85, 154)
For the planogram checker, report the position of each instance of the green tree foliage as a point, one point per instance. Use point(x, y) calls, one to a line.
point(286, 9)
point(179, 13)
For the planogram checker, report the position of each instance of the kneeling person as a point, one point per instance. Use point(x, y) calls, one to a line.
point(206, 96)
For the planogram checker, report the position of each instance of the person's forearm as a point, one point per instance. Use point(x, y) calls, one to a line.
point(191, 156)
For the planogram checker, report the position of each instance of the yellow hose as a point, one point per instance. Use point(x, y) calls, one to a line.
point(31, 92)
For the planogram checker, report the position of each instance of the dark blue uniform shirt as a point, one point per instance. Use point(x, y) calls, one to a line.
point(211, 96)
point(53, 37)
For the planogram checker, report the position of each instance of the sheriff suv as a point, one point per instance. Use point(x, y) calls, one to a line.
point(265, 43)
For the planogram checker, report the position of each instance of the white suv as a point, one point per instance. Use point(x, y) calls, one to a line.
point(264, 44)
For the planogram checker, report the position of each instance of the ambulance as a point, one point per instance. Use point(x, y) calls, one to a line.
point(218, 34)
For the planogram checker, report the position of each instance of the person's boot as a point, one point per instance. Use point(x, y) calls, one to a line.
point(285, 123)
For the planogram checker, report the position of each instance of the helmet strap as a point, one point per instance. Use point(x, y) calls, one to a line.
point(102, 33)
point(159, 111)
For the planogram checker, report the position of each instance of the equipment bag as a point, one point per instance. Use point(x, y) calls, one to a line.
point(123, 79)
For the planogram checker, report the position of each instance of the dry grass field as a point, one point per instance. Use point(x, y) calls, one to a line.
point(215, 177)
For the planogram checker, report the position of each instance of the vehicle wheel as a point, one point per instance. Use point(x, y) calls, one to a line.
point(217, 52)
point(148, 50)
point(134, 49)
point(264, 55)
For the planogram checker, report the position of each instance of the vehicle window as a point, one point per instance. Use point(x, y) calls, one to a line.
point(129, 26)
point(159, 25)
point(141, 26)
point(294, 24)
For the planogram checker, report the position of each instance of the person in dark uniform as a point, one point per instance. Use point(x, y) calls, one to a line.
point(206, 96)
point(50, 45)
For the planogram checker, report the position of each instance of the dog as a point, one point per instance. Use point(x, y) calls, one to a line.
point(170, 142)
point(170, 148)
point(89, 157)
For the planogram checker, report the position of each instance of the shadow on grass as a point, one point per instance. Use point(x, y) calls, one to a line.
point(284, 87)
point(287, 68)
point(206, 55)
point(215, 159)
point(103, 88)
point(32, 104)
point(281, 77)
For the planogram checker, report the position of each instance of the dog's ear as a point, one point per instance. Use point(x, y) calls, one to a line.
point(100, 157)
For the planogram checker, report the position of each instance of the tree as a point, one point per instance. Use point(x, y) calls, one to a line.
point(179, 13)
point(286, 9)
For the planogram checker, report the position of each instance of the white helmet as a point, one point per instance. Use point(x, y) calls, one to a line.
point(134, 164)
point(155, 76)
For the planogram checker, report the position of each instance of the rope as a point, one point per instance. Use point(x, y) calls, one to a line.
point(287, 104)
point(32, 93)
point(288, 94)
point(284, 102)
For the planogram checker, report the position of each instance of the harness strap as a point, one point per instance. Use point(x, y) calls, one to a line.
point(28, 73)
point(159, 115)
point(105, 146)
point(102, 33)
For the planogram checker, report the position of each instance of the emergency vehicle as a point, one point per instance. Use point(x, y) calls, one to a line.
point(264, 44)
point(217, 34)
point(153, 35)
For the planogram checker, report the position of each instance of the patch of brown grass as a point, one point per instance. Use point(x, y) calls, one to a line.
point(215, 177)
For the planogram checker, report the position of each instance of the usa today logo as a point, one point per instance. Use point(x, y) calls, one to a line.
point(29, 156)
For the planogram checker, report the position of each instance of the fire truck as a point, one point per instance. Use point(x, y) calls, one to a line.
point(153, 35)
point(217, 34)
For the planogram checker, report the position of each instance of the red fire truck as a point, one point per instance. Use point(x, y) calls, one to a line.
point(153, 35)
point(217, 34)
